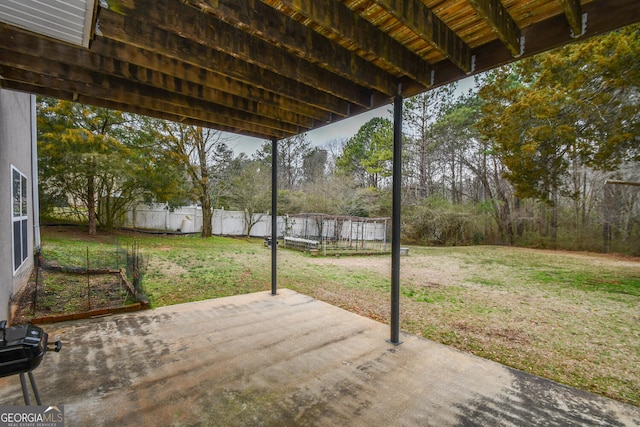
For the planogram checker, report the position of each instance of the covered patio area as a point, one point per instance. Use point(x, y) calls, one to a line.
point(286, 359)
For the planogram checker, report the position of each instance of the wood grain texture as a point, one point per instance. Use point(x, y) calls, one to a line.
point(275, 68)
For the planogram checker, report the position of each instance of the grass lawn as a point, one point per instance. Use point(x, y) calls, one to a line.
point(571, 317)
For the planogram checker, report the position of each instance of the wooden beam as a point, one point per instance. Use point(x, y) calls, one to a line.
point(276, 29)
point(604, 16)
point(291, 97)
point(165, 63)
point(336, 18)
point(421, 20)
point(302, 39)
point(498, 18)
point(234, 54)
point(203, 28)
point(573, 12)
point(130, 108)
point(97, 83)
point(111, 89)
point(107, 67)
point(152, 66)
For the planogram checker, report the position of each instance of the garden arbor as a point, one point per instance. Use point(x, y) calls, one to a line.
point(272, 69)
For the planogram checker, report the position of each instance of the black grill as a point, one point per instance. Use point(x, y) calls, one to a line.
point(22, 348)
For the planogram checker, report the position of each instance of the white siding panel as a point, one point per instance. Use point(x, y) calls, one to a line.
point(66, 20)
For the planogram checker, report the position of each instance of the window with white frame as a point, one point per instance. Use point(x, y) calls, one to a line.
point(20, 217)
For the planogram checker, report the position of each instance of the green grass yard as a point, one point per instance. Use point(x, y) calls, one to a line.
point(571, 317)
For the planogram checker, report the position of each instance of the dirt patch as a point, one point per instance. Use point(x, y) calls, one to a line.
point(168, 267)
point(416, 271)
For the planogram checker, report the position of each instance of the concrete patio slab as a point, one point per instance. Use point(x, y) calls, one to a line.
point(285, 360)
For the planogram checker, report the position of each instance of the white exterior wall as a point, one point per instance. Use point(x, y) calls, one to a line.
point(15, 151)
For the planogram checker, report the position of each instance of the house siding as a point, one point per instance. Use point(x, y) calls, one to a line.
point(15, 151)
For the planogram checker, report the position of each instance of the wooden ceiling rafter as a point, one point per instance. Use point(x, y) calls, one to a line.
point(61, 60)
point(116, 90)
point(230, 36)
point(274, 68)
point(229, 57)
point(126, 56)
point(573, 11)
point(422, 21)
point(149, 82)
point(499, 19)
point(348, 28)
point(121, 60)
point(249, 129)
point(541, 36)
point(267, 23)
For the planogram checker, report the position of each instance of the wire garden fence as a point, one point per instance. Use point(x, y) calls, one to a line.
point(89, 280)
point(336, 234)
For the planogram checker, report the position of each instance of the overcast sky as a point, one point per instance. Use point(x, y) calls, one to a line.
point(343, 129)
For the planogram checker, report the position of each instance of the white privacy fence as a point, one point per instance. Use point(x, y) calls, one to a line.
point(188, 219)
point(233, 223)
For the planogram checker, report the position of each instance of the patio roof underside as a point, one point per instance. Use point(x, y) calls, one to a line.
point(275, 68)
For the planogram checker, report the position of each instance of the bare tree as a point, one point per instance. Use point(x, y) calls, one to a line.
point(292, 152)
point(199, 150)
point(334, 148)
point(251, 191)
point(421, 112)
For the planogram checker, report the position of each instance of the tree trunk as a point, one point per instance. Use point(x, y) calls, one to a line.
point(606, 226)
point(423, 174)
point(520, 226)
point(554, 219)
point(91, 206)
point(91, 203)
point(249, 222)
point(207, 214)
point(506, 208)
point(251, 219)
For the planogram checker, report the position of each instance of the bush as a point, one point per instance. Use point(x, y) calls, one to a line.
point(438, 222)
